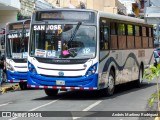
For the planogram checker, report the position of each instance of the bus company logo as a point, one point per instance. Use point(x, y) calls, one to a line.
point(61, 73)
point(61, 61)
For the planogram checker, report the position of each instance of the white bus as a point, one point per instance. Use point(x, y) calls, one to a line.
point(16, 52)
point(79, 49)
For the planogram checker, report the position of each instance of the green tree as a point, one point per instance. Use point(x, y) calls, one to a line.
point(151, 73)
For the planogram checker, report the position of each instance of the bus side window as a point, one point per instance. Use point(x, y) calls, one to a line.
point(104, 37)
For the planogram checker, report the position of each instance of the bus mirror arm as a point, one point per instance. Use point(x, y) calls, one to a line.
point(75, 31)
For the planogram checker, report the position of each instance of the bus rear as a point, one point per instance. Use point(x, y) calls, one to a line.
point(63, 51)
point(16, 47)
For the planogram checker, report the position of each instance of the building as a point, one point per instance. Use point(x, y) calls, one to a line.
point(8, 13)
point(152, 11)
point(128, 5)
point(138, 8)
point(111, 6)
point(149, 10)
point(28, 6)
point(13, 10)
point(152, 16)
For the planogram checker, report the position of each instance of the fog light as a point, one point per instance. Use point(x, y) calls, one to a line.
point(93, 71)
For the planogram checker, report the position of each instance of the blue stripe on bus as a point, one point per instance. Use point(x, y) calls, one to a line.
point(16, 75)
point(111, 59)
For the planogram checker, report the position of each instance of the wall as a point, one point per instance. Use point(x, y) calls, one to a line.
point(11, 3)
point(111, 6)
point(7, 16)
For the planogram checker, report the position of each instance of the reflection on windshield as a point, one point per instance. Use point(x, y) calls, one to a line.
point(17, 47)
point(61, 41)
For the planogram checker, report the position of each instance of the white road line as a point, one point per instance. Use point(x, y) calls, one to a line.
point(5, 104)
point(37, 108)
point(88, 108)
point(93, 105)
point(43, 105)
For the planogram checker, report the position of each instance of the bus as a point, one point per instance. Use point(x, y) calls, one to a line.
point(80, 49)
point(16, 52)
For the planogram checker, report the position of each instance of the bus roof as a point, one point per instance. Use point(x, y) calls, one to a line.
point(73, 9)
point(121, 17)
point(103, 14)
point(19, 21)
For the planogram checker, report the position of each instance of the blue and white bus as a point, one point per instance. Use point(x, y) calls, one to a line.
point(16, 50)
point(79, 49)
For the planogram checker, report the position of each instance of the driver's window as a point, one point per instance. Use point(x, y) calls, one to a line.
point(104, 35)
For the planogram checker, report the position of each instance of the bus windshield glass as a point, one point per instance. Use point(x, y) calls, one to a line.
point(17, 44)
point(63, 41)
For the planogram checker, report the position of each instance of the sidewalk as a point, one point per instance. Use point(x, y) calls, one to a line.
point(9, 87)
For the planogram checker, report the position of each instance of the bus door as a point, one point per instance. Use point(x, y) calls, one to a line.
point(104, 38)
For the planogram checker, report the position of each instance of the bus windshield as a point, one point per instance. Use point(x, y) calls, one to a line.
point(17, 44)
point(63, 41)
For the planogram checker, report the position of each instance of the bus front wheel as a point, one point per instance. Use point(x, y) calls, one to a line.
point(51, 92)
point(140, 78)
point(111, 85)
point(23, 85)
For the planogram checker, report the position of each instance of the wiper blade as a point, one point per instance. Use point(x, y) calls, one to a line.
point(75, 31)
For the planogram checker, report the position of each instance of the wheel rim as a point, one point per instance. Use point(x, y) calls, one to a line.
point(111, 84)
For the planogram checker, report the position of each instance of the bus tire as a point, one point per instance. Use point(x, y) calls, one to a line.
point(109, 91)
point(111, 83)
point(51, 92)
point(23, 85)
point(140, 77)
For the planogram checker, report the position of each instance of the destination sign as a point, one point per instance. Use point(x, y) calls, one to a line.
point(18, 26)
point(47, 27)
point(17, 35)
point(66, 15)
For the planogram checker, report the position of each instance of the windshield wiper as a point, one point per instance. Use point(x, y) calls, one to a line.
point(22, 44)
point(75, 31)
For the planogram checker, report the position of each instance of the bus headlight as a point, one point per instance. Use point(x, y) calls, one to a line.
point(92, 70)
point(31, 68)
point(9, 67)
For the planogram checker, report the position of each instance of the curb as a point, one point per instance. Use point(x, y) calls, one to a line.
point(4, 89)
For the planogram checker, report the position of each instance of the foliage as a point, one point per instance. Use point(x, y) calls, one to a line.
point(153, 98)
point(151, 73)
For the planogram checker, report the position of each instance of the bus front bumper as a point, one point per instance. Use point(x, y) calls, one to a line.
point(63, 83)
point(16, 77)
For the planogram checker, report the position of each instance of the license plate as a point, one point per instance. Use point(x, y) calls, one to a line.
point(60, 82)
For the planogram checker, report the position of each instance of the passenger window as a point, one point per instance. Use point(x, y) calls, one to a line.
point(104, 37)
point(130, 30)
point(113, 28)
point(137, 31)
point(121, 29)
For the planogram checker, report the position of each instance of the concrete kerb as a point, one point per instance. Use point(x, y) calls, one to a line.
point(9, 87)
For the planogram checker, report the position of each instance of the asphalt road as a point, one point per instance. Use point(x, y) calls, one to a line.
point(126, 98)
